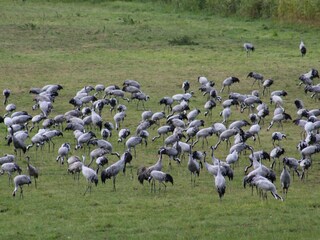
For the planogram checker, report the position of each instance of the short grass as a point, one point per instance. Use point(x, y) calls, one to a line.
point(79, 44)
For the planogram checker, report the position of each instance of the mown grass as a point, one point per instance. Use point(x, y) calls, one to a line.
point(78, 44)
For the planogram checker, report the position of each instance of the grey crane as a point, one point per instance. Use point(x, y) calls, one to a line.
point(32, 171)
point(63, 152)
point(307, 78)
point(228, 82)
point(285, 180)
point(113, 170)
point(130, 82)
point(308, 151)
point(239, 147)
point(75, 169)
point(19, 181)
point(167, 102)
point(279, 93)
point(131, 89)
point(172, 152)
point(119, 117)
point(204, 134)
point(84, 138)
point(185, 96)
point(186, 86)
point(193, 114)
point(191, 133)
point(38, 139)
point(10, 108)
point(91, 176)
point(144, 125)
point(279, 118)
point(226, 169)
point(18, 140)
point(227, 134)
point(208, 106)
point(101, 161)
point(163, 130)
point(172, 139)
point(160, 176)
point(6, 93)
point(292, 163)
point(275, 154)
point(132, 142)
point(96, 119)
point(232, 158)
point(314, 89)
point(266, 85)
point(256, 76)
point(145, 115)
point(157, 116)
point(220, 182)
point(277, 136)
point(202, 80)
point(225, 113)
point(105, 133)
point(254, 156)
point(302, 48)
point(265, 185)
point(229, 103)
point(249, 102)
point(305, 164)
point(248, 47)
point(194, 168)
point(10, 168)
point(254, 130)
point(119, 94)
point(73, 159)
point(7, 158)
point(239, 124)
point(50, 134)
point(140, 97)
point(123, 134)
point(144, 172)
point(196, 123)
point(99, 89)
point(36, 120)
point(277, 100)
point(260, 170)
point(98, 152)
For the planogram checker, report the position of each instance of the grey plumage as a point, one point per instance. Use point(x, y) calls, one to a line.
point(10, 168)
point(220, 183)
point(19, 181)
point(194, 168)
point(285, 180)
point(113, 170)
point(162, 177)
point(91, 177)
point(32, 171)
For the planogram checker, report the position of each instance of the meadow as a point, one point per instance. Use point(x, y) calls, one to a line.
point(77, 44)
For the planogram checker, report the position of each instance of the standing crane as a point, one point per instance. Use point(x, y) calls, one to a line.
point(285, 180)
point(303, 49)
point(220, 182)
point(19, 181)
point(32, 171)
point(113, 170)
point(90, 175)
point(161, 177)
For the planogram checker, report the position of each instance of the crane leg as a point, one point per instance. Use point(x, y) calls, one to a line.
point(114, 183)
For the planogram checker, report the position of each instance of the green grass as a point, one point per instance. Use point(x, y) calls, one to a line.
point(78, 44)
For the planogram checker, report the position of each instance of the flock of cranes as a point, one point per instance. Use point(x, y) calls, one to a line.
point(180, 127)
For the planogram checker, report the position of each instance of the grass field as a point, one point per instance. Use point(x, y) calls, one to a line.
point(80, 44)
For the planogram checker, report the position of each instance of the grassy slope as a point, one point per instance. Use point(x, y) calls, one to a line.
point(80, 44)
